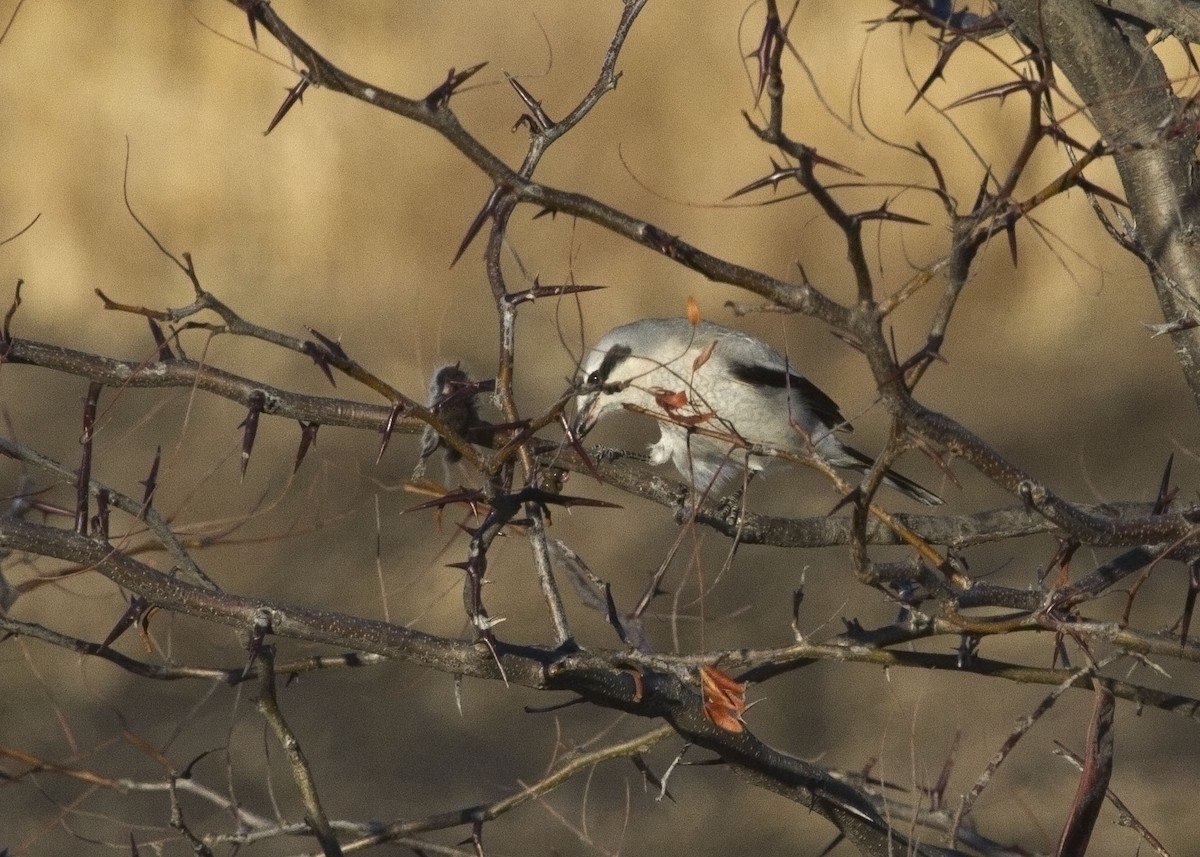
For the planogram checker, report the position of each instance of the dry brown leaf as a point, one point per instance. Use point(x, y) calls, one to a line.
point(703, 356)
point(670, 400)
point(724, 699)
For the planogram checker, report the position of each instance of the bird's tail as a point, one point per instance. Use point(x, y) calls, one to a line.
point(862, 462)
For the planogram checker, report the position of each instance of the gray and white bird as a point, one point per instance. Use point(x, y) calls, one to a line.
point(714, 391)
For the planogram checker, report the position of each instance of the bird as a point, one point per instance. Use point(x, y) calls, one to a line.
point(715, 392)
point(452, 397)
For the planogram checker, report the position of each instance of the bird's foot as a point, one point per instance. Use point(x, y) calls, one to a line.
point(732, 507)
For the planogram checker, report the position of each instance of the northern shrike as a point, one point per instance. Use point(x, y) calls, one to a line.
point(716, 391)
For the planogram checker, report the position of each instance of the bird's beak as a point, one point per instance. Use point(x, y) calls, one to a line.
point(587, 411)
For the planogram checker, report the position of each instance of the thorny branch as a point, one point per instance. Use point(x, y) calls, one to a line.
point(934, 588)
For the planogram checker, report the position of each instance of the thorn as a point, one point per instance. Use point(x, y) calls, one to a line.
point(532, 294)
point(294, 95)
point(162, 348)
point(772, 178)
point(946, 50)
point(308, 438)
point(767, 44)
point(882, 213)
point(983, 194)
point(651, 778)
point(388, 427)
point(150, 483)
point(132, 615)
point(613, 615)
point(258, 633)
point(486, 623)
point(1095, 189)
point(252, 13)
point(1165, 495)
point(1189, 604)
point(1010, 230)
point(469, 496)
point(1001, 91)
point(100, 520)
point(539, 120)
point(6, 332)
point(321, 358)
point(819, 160)
point(489, 208)
point(440, 96)
point(331, 345)
point(84, 476)
point(255, 403)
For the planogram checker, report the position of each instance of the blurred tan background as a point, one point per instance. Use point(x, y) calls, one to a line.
point(346, 219)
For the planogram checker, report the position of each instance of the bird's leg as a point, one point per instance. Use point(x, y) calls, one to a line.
point(732, 507)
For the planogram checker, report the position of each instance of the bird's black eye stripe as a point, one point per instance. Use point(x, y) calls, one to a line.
point(611, 360)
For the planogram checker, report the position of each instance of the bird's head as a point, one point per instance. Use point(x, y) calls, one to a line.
point(603, 383)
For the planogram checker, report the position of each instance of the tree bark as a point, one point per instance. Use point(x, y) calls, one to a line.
point(1124, 87)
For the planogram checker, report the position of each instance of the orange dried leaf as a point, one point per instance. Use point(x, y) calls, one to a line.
point(703, 356)
point(718, 686)
point(719, 716)
point(693, 311)
point(724, 699)
point(670, 400)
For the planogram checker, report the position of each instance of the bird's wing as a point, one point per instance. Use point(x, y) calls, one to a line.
point(815, 399)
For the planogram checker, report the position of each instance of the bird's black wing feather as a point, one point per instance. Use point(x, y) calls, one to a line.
point(814, 397)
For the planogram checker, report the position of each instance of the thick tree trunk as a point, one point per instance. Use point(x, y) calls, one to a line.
point(1126, 91)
